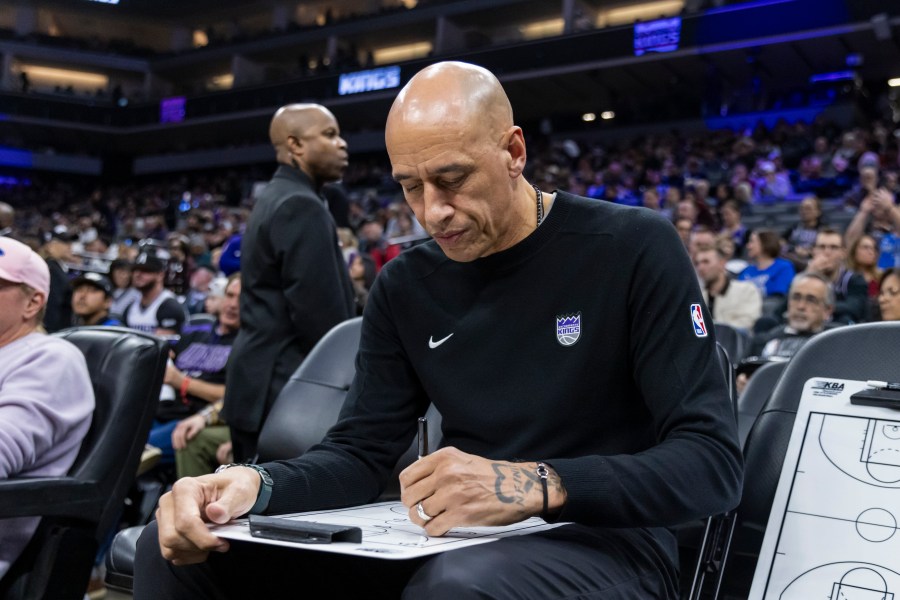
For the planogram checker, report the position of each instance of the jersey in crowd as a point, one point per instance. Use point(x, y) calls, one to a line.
point(577, 346)
point(163, 313)
point(201, 354)
point(771, 281)
point(888, 249)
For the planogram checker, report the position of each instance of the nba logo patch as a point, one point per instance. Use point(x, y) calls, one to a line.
point(568, 329)
point(697, 320)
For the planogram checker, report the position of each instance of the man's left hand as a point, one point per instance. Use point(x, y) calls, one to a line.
point(458, 490)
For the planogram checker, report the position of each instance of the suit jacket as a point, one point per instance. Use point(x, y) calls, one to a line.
point(295, 286)
point(59, 301)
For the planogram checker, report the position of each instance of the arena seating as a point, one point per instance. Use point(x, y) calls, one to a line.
point(80, 510)
point(861, 352)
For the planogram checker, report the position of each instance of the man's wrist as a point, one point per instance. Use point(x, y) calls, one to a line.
point(556, 493)
point(264, 493)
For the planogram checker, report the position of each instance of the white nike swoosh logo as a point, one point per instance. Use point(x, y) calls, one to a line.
point(434, 344)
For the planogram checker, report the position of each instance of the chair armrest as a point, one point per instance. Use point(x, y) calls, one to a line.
point(49, 497)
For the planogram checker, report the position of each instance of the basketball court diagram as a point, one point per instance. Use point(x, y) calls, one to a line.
point(834, 530)
point(878, 461)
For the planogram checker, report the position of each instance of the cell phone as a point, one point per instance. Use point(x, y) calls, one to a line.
point(882, 398)
point(304, 532)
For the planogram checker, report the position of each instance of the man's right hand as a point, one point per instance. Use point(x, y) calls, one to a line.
point(193, 502)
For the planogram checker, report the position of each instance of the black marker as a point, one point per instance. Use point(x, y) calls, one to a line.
point(883, 385)
point(423, 436)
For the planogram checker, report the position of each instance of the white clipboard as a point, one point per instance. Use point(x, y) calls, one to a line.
point(387, 532)
point(833, 530)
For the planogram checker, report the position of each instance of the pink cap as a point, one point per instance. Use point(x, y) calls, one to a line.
point(21, 264)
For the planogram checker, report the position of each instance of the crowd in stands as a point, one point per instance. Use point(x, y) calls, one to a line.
point(792, 231)
point(714, 187)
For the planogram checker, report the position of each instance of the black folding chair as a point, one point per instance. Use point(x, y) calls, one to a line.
point(79, 510)
point(860, 352)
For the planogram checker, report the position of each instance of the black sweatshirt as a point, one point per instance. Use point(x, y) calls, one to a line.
point(634, 416)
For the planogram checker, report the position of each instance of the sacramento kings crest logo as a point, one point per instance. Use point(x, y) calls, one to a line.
point(568, 329)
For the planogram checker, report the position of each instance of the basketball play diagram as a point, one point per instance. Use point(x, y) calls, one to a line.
point(834, 531)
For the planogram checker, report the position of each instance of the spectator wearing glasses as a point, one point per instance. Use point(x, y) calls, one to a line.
point(810, 305)
point(863, 259)
point(850, 289)
point(889, 295)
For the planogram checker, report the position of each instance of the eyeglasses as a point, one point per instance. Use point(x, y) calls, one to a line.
point(828, 247)
point(808, 298)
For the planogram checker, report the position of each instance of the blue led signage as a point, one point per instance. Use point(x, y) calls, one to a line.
point(369, 81)
point(662, 35)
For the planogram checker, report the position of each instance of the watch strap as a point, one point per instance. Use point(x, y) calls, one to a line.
point(265, 487)
point(543, 473)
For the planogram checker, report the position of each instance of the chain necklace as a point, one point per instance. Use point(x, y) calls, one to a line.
point(540, 204)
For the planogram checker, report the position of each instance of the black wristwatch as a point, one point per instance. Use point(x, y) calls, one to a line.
point(265, 488)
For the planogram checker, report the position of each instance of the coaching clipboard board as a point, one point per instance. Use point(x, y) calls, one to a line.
point(833, 530)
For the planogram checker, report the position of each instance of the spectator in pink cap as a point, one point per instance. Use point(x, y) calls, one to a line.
point(20, 264)
point(42, 419)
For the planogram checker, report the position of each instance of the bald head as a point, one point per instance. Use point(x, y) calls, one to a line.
point(307, 137)
point(459, 157)
point(291, 120)
point(452, 94)
point(7, 215)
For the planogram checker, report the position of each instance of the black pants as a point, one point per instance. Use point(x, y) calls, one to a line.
point(571, 561)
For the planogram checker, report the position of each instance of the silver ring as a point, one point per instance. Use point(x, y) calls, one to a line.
point(422, 514)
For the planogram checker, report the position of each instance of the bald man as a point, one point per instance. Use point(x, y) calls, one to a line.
point(567, 346)
point(296, 285)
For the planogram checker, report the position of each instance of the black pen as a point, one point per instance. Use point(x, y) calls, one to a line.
point(883, 385)
point(423, 436)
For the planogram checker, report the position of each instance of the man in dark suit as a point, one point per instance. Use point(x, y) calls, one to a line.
point(295, 282)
